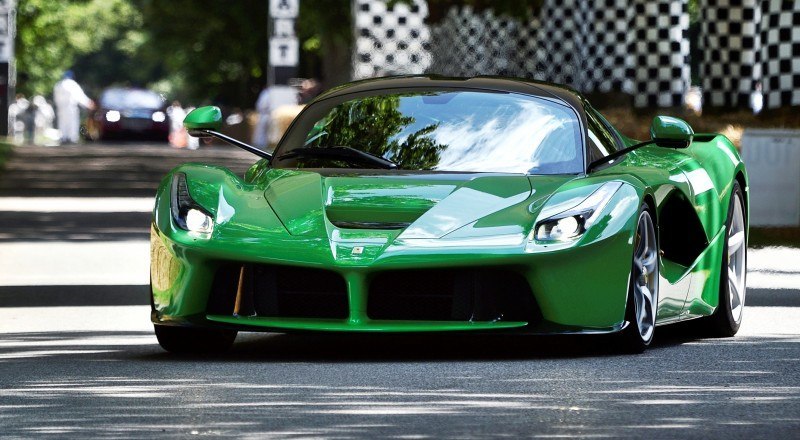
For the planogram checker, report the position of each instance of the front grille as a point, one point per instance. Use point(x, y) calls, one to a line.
point(279, 291)
point(451, 295)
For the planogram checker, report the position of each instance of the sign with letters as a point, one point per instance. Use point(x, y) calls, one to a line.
point(7, 21)
point(8, 30)
point(284, 8)
point(772, 158)
point(284, 49)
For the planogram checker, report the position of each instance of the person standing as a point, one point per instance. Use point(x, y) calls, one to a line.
point(18, 113)
point(271, 98)
point(68, 95)
point(177, 134)
point(43, 121)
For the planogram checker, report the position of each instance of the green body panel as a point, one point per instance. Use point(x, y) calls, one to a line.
point(451, 220)
point(204, 118)
point(704, 173)
point(249, 230)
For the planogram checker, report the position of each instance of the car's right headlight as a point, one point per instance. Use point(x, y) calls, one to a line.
point(187, 213)
point(568, 223)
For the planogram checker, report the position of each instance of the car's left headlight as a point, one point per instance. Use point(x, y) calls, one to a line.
point(187, 213)
point(571, 223)
point(158, 117)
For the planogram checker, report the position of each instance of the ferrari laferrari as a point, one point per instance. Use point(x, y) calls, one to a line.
point(428, 204)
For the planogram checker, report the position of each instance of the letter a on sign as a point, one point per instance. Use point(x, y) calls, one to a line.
point(284, 8)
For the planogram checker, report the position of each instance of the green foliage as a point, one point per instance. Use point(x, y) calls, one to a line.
point(211, 51)
point(52, 33)
point(325, 30)
point(198, 52)
point(5, 152)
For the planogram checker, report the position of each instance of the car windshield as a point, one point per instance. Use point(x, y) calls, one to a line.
point(124, 99)
point(462, 130)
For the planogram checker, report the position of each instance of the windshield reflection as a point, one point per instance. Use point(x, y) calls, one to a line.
point(466, 131)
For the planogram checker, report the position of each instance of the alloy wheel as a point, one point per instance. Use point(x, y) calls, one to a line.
point(645, 277)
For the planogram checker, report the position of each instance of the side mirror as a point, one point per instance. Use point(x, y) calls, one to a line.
point(206, 121)
point(203, 118)
point(671, 131)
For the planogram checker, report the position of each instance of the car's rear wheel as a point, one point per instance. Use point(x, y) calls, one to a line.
point(642, 304)
point(727, 317)
point(194, 340)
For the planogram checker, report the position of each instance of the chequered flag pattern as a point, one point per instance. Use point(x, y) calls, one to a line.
point(780, 52)
point(660, 52)
point(390, 40)
point(606, 61)
point(491, 45)
point(730, 48)
point(560, 40)
point(636, 46)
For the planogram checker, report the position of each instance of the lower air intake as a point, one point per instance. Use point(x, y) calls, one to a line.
point(279, 291)
point(451, 295)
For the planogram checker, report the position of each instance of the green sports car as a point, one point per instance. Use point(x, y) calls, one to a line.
point(427, 204)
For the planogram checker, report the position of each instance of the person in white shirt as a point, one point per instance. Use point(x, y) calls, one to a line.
point(68, 95)
point(43, 119)
point(270, 99)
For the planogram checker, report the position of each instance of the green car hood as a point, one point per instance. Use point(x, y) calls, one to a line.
point(418, 205)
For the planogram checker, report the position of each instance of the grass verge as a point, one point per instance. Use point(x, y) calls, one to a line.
point(763, 237)
point(5, 152)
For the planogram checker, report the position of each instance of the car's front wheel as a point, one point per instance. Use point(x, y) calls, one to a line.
point(194, 340)
point(642, 304)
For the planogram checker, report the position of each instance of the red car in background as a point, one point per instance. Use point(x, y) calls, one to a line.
point(128, 113)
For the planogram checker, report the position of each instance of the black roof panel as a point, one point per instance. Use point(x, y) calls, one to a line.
point(559, 92)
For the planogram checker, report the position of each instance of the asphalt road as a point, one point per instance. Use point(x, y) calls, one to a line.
point(78, 358)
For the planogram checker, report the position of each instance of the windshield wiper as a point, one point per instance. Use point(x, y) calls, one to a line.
point(341, 153)
point(617, 154)
point(624, 151)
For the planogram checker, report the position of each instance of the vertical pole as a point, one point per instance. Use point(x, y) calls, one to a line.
point(283, 44)
point(270, 67)
point(7, 71)
point(6, 91)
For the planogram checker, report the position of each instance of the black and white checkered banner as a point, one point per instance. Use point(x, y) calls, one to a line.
point(730, 51)
point(637, 46)
point(747, 42)
point(780, 52)
point(660, 51)
point(488, 45)
point(390, 40)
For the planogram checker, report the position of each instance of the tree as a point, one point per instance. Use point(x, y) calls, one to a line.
point(218, 50)
point(52, 33)
point(201, 52)
point(372, 124)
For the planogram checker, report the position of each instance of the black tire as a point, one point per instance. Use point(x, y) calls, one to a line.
point(190, 340)
point(721, 324)
point(631, 338)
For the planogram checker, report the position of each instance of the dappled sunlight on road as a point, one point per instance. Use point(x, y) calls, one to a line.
point(104, 361)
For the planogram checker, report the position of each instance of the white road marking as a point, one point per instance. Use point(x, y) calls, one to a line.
point(76, 204)
point(111, 263)
point(785, 259)
point(75, 319)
